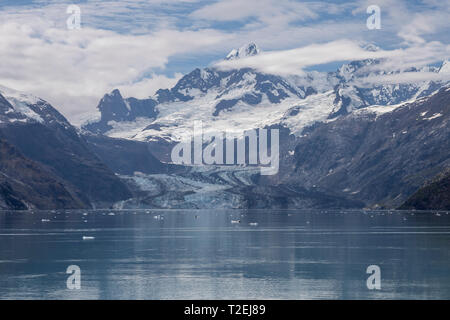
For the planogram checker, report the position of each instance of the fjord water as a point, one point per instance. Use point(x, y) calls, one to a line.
point(191, 254)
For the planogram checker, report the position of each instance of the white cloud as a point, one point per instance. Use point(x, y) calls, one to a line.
point(280, 24)
point(55, 63)
point(269, 11)
point(148, 86)
point(401, 78)
point(292, 62)
point(295, 60)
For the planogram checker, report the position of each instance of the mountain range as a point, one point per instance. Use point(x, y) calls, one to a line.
point(348, 139)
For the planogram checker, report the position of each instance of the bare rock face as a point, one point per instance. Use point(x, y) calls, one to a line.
point(24, 184)
point(434, 195)
point(124, 156)
point(113, 107)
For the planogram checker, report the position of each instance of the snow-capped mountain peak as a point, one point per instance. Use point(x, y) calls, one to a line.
point(17, 105)
point(371, 47)
point(246, 51)
point(445, 68)
point(18, 95)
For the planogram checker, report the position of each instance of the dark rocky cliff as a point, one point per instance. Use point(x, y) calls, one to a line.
point(25, 184)
point(435, 195)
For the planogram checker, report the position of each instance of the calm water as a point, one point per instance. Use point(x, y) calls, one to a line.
point(203, 255)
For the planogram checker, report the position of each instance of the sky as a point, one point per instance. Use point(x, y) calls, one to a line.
point(140, 46)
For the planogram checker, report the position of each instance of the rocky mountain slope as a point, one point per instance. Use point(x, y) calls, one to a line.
point(375, 155)
point(41, 134)
point(125, 157)
point(24, 184)
point(434, 195)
